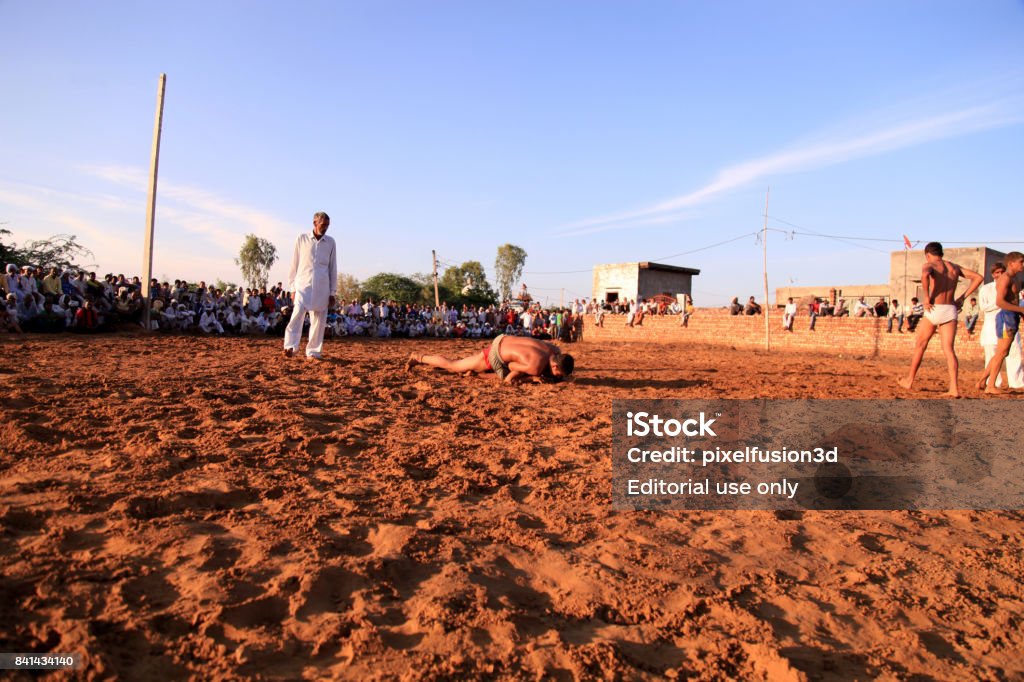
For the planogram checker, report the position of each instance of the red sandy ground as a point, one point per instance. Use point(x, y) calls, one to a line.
point(191, 507)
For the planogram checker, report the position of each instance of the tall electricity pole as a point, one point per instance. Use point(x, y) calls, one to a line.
point(767, 303)
point(147, 248)
point(437, 299)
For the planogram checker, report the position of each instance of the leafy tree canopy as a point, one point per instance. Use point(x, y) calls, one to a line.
point(61, 251)
point(255, 259)
point(391, 286)
point(508, 268)
point(467, 283)
point(349, 288)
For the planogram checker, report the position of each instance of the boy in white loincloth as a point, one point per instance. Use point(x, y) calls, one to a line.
point(939, 279)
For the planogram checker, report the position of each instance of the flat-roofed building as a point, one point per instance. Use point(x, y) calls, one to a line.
point(632, 281)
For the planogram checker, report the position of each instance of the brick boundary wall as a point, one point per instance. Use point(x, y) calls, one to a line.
point(716, 327)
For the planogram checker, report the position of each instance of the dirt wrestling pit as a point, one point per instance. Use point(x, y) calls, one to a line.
point(176, 507)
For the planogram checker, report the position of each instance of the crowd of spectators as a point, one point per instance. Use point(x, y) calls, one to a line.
point(38, 300)
point(637, 309)
point(56, 301)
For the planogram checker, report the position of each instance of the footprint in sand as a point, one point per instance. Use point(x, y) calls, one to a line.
point(872, 543)
point(328, 591)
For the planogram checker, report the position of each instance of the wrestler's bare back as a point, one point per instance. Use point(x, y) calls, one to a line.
point(939, 280)
point(527, 355)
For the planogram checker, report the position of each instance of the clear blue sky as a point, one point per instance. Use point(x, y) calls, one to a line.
point(585, 132)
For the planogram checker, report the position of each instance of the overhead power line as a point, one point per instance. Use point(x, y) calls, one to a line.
point(811, 233)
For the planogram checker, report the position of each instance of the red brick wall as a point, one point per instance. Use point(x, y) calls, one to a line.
point(860, 336)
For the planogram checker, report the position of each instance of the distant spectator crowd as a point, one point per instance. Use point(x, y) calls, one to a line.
point(50, 301)
point(636, 310)
point(55, 301)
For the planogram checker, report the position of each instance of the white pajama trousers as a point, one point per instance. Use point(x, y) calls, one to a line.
point(1014, 369)
point(317, 323)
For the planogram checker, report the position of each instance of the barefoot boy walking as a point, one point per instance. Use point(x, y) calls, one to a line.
point(939, 279)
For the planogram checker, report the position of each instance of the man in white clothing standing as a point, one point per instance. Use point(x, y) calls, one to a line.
point(989, 340)
point(312, 279)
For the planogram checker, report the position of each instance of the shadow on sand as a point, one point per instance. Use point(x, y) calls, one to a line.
point(611, 382)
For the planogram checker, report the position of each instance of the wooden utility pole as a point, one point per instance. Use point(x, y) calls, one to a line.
point(437, 299)
point(147, 248)
point(767, 304)
point(906, 283)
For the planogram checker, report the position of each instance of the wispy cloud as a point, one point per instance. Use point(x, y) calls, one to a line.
point(659, 218)
point(199, 211)
point(111, 219)
point(834, 149)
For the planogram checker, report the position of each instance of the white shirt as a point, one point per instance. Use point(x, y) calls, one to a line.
point(314, 273)
point(208, 322)
point(989, 307)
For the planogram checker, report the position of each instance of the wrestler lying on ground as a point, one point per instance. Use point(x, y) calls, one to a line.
point(512, 358)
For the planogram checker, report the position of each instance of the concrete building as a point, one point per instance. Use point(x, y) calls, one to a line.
point(904, 278)
point(622, 281)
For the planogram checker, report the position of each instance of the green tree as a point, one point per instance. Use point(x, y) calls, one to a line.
point(426, 285)
point(255, 260)
point(508, 268)
point(8, 252)
point(60, 251)
point(467, 283)
point(349, 288)
point(392, 287)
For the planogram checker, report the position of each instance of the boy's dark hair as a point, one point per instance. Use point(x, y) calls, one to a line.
point(934, 248)
point(566, 363)
point(998, 265)
point(1014, 256)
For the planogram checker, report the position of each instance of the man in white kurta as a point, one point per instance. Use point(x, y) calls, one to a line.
point(987, 303)
point(313, 279)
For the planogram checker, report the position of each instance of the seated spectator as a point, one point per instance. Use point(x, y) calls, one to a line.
point(185, 317)
point(788, 315)
point(971, 313)
point(752, 307)
point(862, 309)
point(9, 323)
point(86, 320)
point(841, 310)
point(11, 304)
point(814, 310)
point(169, 316)
point(916, 313)
point(895, 313)
point(28, 309)
point(209, 323)
point(51, 284)
point(51, 319)
point(734, 307)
